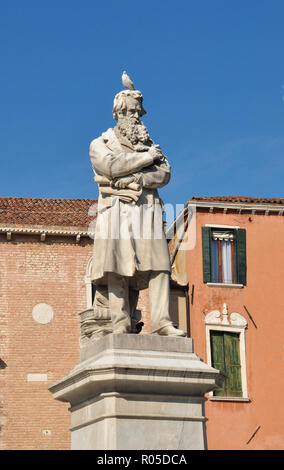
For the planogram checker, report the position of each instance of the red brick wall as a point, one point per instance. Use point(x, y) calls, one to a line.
point(35, 272)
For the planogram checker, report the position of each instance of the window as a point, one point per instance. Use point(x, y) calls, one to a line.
point(224, 255)
point(225, 340)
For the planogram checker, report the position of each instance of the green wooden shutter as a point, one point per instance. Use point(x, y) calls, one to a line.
point(233, 364)
point(225, 356)
point(206, 253)
point(241, 264)
point(235, 273)
point(218, 357)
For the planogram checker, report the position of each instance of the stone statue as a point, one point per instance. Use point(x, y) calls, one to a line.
point(130, 248)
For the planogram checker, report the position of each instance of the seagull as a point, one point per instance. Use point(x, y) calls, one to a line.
point(127, 82)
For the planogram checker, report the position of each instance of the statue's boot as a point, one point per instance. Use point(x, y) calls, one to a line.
point(170, 330)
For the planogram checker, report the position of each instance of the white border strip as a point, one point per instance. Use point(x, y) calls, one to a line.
point(35, 231)
point(223, 226)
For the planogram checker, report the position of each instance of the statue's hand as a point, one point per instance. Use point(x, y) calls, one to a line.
point(141, 148)
point(123, 182)
point(156, 152)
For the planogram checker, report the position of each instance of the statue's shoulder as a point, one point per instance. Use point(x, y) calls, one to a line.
point(105, 137)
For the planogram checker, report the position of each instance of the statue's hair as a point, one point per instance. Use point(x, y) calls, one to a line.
point(120, 101)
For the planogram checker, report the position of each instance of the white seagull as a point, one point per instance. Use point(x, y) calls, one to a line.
point(127, 82)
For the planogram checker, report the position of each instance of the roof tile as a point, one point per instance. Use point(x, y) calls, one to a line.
point(35, 211)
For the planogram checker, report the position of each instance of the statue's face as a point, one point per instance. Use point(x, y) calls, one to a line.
point(134, 109)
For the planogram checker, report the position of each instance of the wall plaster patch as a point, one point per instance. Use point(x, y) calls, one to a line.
point(42, 313)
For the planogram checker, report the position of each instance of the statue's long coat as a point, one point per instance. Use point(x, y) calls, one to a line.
point(129, 238)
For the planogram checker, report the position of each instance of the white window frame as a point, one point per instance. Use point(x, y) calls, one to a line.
point(235, 323)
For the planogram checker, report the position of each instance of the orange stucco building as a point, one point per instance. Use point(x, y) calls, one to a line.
point(232, 258)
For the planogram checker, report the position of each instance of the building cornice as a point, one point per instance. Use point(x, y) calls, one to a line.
point(238, 207)
point(44, 232)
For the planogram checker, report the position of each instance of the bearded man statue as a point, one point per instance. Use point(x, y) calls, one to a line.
point(130, 247)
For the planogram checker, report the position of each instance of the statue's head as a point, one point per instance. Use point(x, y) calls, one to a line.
point(128, 104)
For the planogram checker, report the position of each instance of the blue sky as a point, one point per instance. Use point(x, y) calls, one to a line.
point(212, 76)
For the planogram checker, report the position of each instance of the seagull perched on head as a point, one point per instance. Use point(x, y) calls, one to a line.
point(127, 82)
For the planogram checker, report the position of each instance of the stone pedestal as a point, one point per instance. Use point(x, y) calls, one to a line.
point(138, 392)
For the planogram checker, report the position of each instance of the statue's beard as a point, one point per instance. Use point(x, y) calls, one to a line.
point(134, 130)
